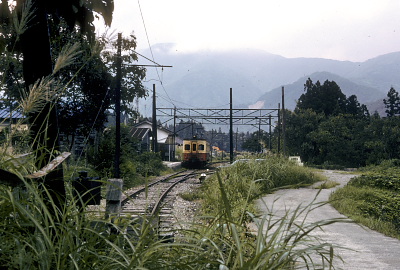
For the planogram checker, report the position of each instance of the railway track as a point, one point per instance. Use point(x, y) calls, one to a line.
point(155, 202)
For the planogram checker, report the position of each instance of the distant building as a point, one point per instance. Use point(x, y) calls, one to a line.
point(165, 139)
point(12, 120)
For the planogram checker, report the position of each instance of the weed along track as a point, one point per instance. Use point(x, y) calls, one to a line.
point(155, 202)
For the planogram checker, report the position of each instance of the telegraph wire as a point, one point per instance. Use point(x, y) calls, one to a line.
point(92, 128)
point(151, 51)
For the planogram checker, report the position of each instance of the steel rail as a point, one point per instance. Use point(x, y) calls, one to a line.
point(136, 192)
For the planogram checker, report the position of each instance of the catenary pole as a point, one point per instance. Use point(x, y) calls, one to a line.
point(283, 122)
point(279, 128)
point(230, 129)
point(154, 122)
point(118, 110)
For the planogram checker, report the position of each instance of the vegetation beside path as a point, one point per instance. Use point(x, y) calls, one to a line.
point(373, 199)
point(36, 235)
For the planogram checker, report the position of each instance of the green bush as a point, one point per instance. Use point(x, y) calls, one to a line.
point(149, 163)
point(373, 198)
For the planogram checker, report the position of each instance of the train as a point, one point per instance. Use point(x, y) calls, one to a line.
point(196, 153)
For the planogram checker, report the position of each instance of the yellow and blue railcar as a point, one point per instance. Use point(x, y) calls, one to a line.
point(196, 153)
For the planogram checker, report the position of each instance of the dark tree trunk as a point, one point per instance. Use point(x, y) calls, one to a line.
point(37, 64)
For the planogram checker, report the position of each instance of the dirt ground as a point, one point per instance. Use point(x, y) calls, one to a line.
point(364, 248)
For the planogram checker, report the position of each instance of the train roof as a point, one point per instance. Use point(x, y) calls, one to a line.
point(195, 138)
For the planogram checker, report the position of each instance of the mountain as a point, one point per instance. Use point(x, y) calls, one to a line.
point(202, 79)
point(381, 72)
point(365, 94)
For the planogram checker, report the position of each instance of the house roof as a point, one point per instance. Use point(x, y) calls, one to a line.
point(148, 123)
point(5, 114)
point(139, 133)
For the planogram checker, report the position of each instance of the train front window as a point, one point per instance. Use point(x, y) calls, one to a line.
point(201, 147)
point(187, 146)
point(194, 147)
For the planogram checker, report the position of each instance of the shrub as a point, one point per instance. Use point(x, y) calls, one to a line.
point(149, 163)
point(373, 199)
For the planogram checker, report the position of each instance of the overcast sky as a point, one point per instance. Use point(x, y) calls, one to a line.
point(354, 30)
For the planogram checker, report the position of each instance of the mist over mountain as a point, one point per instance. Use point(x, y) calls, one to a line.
point(203, 79)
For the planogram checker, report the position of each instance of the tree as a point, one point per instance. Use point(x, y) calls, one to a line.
point(327, 98)
point(131, 85)
point(353, 107)
point(257, 141)
point(34, 43)
point(299, 125)
point(327, 127)
point(392, 103)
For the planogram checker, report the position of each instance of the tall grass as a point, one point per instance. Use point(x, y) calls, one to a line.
point(372, 198)
point(36, 235)
point(248, 180)
point(234, 238)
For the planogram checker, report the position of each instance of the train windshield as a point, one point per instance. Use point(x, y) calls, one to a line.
point(187, 146)
point(201, 146)
point(194, 147)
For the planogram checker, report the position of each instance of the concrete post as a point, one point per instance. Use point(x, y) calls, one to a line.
point(113, 197)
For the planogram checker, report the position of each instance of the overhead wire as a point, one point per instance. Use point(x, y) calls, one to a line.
point(86, 140)
point(151, 52)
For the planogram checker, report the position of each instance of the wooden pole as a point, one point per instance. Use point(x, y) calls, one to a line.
point(230, 128)
point(154, 122)
point(283, 122)
point(118, 110)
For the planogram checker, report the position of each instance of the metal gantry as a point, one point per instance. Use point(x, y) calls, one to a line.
point(253, 117)
point(231, 116)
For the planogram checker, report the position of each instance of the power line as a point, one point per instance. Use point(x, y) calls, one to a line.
point(151, 51)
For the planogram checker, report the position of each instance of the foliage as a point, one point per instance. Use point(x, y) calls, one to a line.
point(149, 163)
point(132, 75)
point(392, 103)
point(33, 237)
point(373, 199)
point(343, 135)
point(248, 180)
point(134, 166)
point(326, 98)
point(256, 142)
point(27, 21)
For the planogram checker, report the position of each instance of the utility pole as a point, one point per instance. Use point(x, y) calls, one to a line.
point(154, 122)
point(279, 128)
point(283, 121)
point(259, 148)
point(118, 110)
point(174, 140)
point(270, 135)
point(231, 129)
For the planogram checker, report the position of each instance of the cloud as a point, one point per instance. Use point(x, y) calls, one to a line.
point(344, 30)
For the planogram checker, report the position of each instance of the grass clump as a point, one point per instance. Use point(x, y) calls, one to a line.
point(246, 181)
point(372, 199)
point(327, 185)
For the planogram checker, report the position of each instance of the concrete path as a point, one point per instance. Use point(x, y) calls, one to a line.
point(368, 249)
